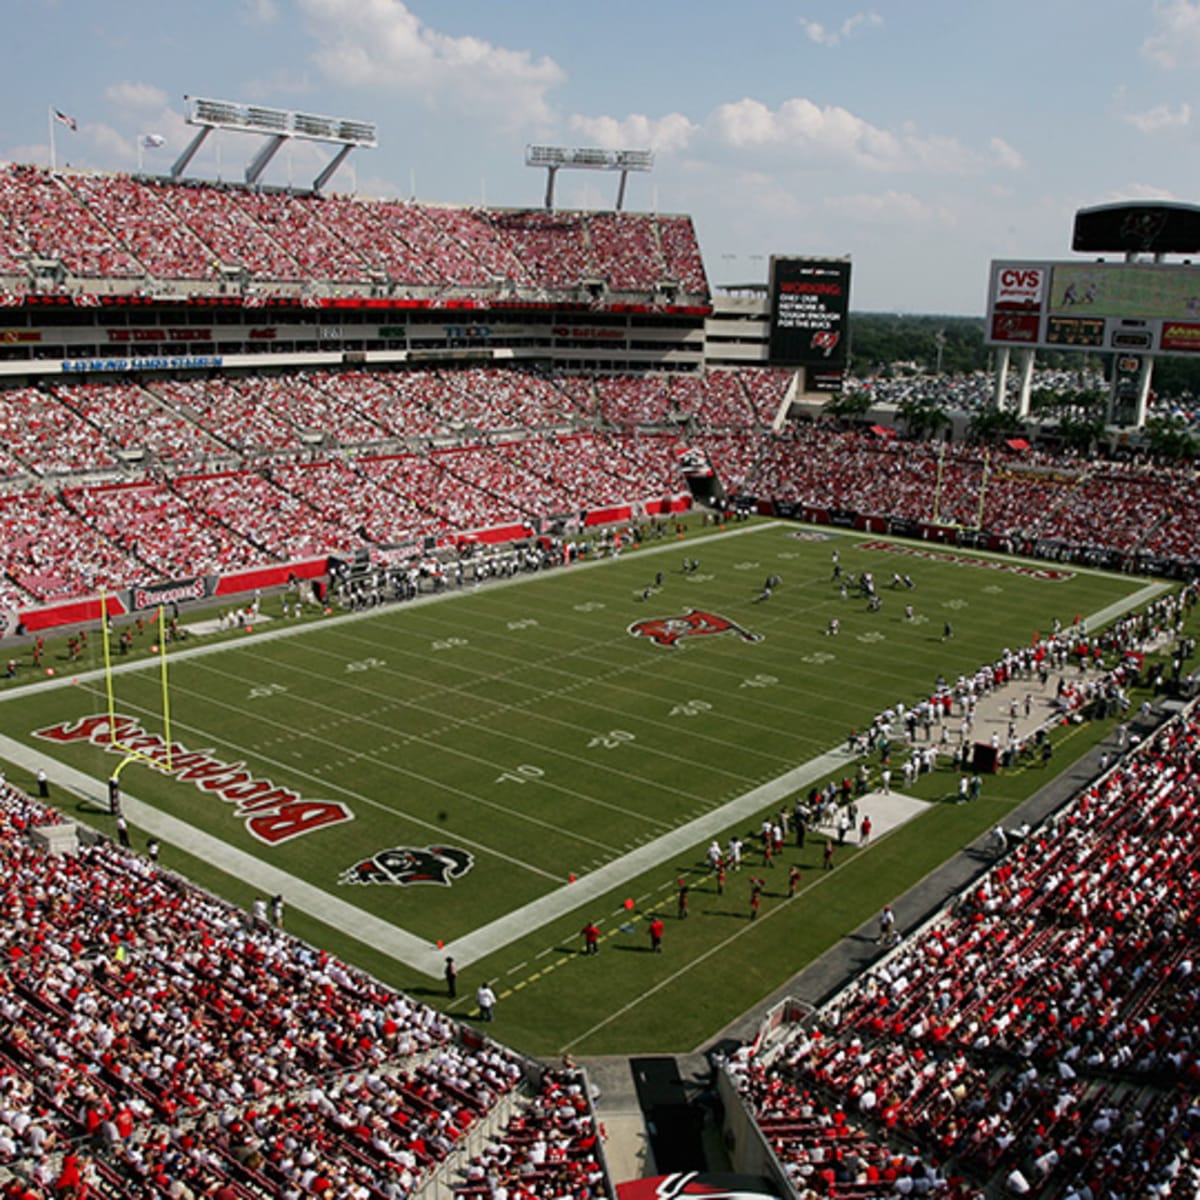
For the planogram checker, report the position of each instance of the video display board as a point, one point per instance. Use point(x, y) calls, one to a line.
point(1138, 307)
point(810, 302)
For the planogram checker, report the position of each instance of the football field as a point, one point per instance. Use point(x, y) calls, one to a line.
point(481, 773)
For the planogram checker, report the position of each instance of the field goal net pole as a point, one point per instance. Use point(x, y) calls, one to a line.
point(987, 464)
point(132, 754)
point(937, 489)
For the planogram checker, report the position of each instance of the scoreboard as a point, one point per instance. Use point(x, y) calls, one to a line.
point(810, 301)
point(1126, 307)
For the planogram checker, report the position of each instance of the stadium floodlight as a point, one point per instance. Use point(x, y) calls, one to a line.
point(278, 124)
point(588, 158)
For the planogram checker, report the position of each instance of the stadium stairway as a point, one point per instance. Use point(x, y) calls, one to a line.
point(659, 1114)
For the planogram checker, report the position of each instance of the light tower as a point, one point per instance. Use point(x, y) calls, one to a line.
point(279, 124)
point(555, 158)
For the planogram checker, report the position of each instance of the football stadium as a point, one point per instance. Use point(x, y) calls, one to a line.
point(475, 725)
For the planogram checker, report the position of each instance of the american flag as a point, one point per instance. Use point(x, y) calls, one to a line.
point(63, 119)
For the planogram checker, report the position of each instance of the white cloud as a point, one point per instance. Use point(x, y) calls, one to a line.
point(136, 97)
point(1005, 155)
point(1176, 42)
point(379, 43)
point(1155, 120)
point(823, 36)
point(112, 145)
point(636, 132)
point(886, 208)
point(1136, 191)
point(259, 12)
point(833, 134)
point(283, 82)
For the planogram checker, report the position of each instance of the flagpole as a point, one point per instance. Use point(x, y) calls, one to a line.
point(50, 116)
point(141, 141)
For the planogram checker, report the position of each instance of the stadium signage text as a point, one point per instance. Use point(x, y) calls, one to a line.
point(154, 595)
point(1049, 574)
point(811, 287)
point(588, 331)
point(181, 362)
point(1179, 335)
point(155, 334)
point(1019, 287)
point(272, 814)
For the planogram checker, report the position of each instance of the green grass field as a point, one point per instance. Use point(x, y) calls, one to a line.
point(524, 734)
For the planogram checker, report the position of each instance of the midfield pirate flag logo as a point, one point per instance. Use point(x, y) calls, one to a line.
point(668, 631)
point(411, 864)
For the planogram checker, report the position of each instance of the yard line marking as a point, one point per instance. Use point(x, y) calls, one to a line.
point(396, 769)
point(360, 798)
point(457, 751)
point(470, 691)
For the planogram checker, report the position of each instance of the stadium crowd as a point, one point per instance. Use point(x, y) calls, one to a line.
point(1029, 501)
point(549, 1148)
point(1038, 1037)
point(226, 467)
point(156, 1042)
point(120, 227)
point(229, 465)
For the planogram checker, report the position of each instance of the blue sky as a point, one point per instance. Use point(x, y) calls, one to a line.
point(922, 137)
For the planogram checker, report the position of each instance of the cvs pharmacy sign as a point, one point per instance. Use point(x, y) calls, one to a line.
point(1019, 286)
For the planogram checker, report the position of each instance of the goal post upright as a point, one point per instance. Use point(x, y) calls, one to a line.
point(166, 696)
point(131, 754)
point(108, 676)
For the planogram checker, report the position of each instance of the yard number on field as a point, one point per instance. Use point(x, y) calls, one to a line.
point(448, 643)
point(818, 658)
point(691, 708)
point(757, 681)
point(522, 774)
point(366, 664)
point(611, 740)
point(267, 689)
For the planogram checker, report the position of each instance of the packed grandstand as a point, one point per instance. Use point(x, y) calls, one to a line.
point(150, 432)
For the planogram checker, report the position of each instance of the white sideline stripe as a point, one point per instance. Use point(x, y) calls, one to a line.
point(382, 935)
point(371, 930)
